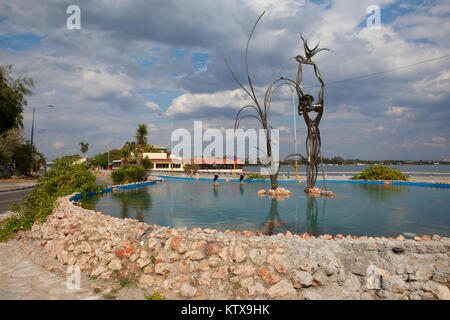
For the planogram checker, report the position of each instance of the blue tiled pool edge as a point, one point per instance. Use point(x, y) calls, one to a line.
point(78, 196)
point(395, 183)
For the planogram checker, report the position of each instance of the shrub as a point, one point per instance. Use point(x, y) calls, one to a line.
point(255, 176)
point(62, 180)
point(5, 174)
point(155, 296)
point(132, 173)
point(380, 172)
point(191, 169)
point(147, 163)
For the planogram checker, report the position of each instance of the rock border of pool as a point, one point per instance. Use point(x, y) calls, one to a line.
point(207, 264)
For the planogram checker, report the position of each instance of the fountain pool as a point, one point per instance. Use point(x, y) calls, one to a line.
point(358, 209)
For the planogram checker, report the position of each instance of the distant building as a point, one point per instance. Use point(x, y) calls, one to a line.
point(161, 163)
point(446, 160)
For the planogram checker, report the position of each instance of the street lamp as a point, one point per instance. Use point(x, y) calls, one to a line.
point(32, 134)
point(171, 129)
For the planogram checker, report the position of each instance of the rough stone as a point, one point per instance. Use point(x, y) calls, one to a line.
point(245, 270)
point(240, 253)
point(115, 264)
point(267, 275)
point(220, 273)
point(187, 290)
point(282, 289)
point(146, 280)
point(195, 255)
point(301, 279)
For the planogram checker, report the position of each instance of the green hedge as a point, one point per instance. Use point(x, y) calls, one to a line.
point(191, 169)
point(62, 180)
point(255, 176)
point(132, 173)
point(380, 172)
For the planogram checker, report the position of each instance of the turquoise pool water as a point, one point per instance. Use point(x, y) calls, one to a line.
point(358, 209)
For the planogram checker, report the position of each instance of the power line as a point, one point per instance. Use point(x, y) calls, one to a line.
point(382, 72)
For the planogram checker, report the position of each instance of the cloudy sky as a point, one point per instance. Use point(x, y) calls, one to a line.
point(133, 60)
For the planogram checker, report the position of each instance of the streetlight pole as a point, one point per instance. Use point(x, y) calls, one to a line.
point(171, 129)
point(32, 135)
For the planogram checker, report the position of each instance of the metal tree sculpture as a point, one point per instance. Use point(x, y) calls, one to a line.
point(261, 114)
point(305, 106)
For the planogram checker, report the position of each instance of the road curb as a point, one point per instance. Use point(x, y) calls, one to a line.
point(17, 189)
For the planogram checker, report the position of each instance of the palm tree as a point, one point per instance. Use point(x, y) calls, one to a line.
point(127, 149)
point(84, 148)
point(141, 141)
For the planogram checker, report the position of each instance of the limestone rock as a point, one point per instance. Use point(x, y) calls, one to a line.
point(245, 270)
point(301, 279)
point(267, 275)
point(258, 256)
point(240, 253)
point(195, 255)
point(142, 262)
point(187, 290)
point(220, 273)
point(162, 268)
point(308, 265)
point(282, 289)
point(373, 281)
point(146, 280)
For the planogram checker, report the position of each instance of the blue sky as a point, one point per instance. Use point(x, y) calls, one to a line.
point(130, 62)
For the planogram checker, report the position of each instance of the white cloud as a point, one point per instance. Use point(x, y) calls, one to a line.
point(58, 144)
point(152, 105)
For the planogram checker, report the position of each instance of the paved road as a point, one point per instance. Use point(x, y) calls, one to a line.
point(7, 198)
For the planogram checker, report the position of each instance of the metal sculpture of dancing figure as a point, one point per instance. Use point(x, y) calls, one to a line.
point(307, 105)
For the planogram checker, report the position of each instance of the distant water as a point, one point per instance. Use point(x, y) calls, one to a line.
point(359, 209)
point(355, 168)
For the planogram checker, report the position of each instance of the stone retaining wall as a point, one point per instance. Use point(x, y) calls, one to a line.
point(206, 264)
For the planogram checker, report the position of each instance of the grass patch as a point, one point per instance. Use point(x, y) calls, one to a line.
point(97, 290)
point(110, 297)
point(236, 285)
point(255, 176)
point(124, 282)
point(155, 296)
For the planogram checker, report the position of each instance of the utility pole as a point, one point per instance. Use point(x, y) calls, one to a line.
point(31, 149)
point(32, 135)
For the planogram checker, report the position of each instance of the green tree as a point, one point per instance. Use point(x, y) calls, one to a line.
point(12, 98)
point(21, 157)
point(84, 147)
point(101, 159)
point(10, 139)
point(147, 163)
point(4, 157)
point(127, 149)
point(141, 141)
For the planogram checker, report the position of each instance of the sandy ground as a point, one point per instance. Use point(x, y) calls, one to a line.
point(22, 279)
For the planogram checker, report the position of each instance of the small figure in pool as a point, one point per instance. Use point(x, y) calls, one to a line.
point(241, 179)
point(216, 183)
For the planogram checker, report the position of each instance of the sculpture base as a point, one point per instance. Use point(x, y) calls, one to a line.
point(275, 193)
point(319, 192)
